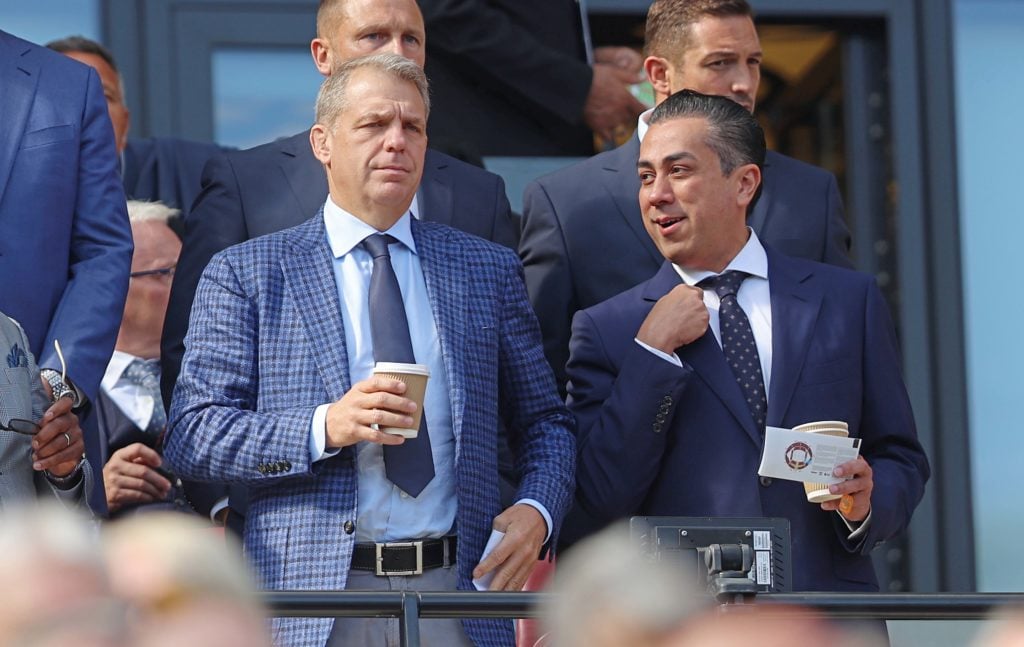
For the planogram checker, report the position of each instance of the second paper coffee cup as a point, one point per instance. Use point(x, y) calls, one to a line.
point(818, 492)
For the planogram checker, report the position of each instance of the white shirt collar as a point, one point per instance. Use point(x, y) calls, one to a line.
point(751, 259)
point(641, 123)
point(119, 361)
point(345, 231)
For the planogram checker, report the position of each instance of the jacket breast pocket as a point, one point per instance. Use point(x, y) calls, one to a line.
point(47, 136)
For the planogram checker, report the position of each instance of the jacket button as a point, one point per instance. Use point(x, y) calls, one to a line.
point(349, 527)
point(656, 427)
point(287, 466)
point(667, 399)
point(766, 481)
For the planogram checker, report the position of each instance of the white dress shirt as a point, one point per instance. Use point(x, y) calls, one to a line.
point(135, 403)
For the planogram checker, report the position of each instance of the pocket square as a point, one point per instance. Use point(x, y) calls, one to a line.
point(17, 357)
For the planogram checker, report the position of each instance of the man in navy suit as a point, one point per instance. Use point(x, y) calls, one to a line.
point(512, 77)
point(583, 241)
point(673, 381)
point(65, 244)
point(277, 391)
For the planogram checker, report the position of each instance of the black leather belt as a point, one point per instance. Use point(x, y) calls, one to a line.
point(404, 557)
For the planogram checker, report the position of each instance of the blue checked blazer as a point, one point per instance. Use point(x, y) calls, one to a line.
point(266, 345)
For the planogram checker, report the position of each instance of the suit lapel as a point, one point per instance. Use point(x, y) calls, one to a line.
point(18, 78)
point(435, 195)
point(309, 278)
point(705, 357)
point(795, 306)
point(304, 173)
point(441, 259)
point(623, 185)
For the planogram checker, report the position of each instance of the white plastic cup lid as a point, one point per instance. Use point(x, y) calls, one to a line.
point(397, 367)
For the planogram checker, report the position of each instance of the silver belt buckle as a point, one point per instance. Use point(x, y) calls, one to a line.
point(418, 545)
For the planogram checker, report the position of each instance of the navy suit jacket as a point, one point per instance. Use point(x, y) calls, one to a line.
point(267, 346)
point(834, 357)
point(250, 193)
point(65, 242)
point(584, 239)
point(508, 77)
point(167, 169)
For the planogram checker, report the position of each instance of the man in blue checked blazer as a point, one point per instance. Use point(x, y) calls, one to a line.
point(277, 392)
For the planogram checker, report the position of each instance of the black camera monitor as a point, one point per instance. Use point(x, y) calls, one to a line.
point(755, 548)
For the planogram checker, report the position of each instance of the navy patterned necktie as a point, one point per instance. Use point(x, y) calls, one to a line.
point(145, 374)
point(410, 465)
point(738, 343)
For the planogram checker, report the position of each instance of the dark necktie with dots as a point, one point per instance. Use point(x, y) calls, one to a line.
point(738, 343)
point(410, 465)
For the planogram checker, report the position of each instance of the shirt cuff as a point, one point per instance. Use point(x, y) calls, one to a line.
point(673, 358)
point(318, 436)
point(533, 503)
point(857, 528)
point(216, 508)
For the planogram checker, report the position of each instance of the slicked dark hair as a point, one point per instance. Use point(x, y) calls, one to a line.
point(83, 45)
point(667, 33)
point(733, 133)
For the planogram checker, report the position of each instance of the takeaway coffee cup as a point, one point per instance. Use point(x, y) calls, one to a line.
point(415, 377)
point(818, 492)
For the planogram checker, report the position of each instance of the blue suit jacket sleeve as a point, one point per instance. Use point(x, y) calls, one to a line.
point(541, 430)
point(889, 441)
point(88, 315)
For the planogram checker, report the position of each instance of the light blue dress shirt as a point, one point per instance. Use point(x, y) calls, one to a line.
point(385, 512)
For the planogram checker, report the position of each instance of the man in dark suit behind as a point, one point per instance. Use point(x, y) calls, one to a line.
point(164, 169)
point(250, 193)
point(583, 240)
point(512, 77)
point(673, 381)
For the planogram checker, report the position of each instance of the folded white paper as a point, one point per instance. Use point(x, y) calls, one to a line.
point(483, 583)
point(800, 456)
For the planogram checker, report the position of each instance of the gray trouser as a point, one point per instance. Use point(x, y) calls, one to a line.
point(383, 632)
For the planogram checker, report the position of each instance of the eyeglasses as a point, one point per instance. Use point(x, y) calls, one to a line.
point(19, 426)
point(160, 273)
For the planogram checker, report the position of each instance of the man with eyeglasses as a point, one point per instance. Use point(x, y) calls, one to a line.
point(41, 443)
point(130, 411)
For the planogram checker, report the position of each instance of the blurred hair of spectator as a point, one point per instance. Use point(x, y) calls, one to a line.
point(190, 586)
point(770, 626)
point(609, 593)
point(55, 587)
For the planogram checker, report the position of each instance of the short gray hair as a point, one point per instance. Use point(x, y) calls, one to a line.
point(140, 211)
point(331, 101)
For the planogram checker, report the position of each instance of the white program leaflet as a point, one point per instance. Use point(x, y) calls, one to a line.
point(800, 456)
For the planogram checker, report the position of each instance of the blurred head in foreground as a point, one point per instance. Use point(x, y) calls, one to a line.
point(51, 573)
point(610, 593)
point(189, 586)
